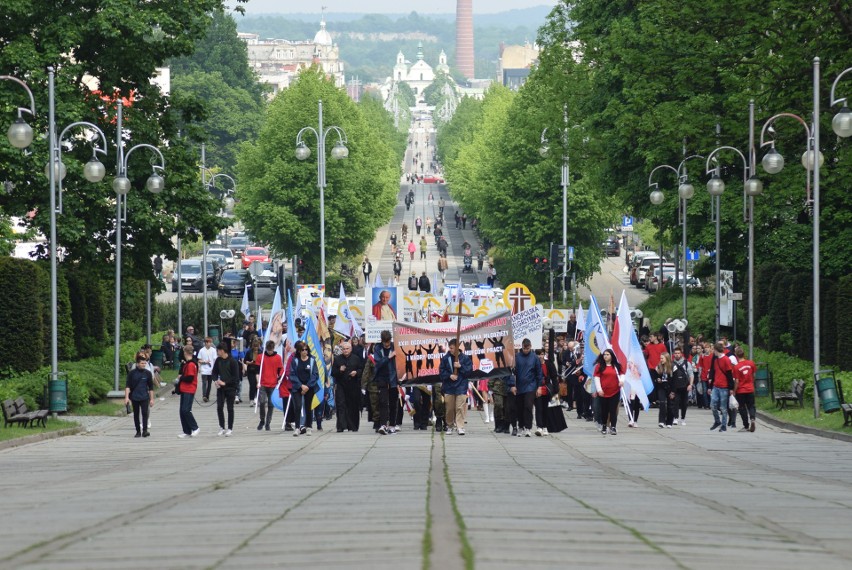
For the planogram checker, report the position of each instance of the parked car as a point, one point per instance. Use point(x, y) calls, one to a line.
point(673, 280)
point(611, 247)
point(635, 260)
point(238, 245)
point(432, 179)
point(253, 253)
point(190, 270)
point(234, 283)
point(642, 269)
point(268, 278)
point(225, 254)
point(656, 274)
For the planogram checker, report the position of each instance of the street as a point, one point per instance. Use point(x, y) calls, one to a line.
point(611, 280)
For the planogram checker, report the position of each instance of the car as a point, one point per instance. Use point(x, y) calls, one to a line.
point(611, 247)
point(254, 253)
point(642, 269)
point(633, 264)
point(190, 275)
point(238, 245)
point(226, 254)
point(234, 283)
point(652, 276)
point(673, 280)
point(268, 277)
point(432, 179)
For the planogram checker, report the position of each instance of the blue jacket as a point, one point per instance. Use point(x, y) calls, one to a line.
point(459, 386)
point(296, 381)
point(385, 367)
point(528, 375)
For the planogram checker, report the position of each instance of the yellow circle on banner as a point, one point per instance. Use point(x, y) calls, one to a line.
point(482, 312)
point(555, 314)
point(356, 311)
point(500, 306)
point(518, 297)
point(432, 300)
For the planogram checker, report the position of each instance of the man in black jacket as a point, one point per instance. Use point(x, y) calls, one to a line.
point(346, 371)
point(226, 378)
point(424, 284)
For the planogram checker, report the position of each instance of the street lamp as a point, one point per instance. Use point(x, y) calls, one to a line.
point(752, 186)
point(121, 185)
point(210, 186)
point(685, 192)
point(339, 152)
point(543, 150)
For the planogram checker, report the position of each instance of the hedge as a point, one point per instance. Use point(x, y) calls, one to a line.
point(22, 334)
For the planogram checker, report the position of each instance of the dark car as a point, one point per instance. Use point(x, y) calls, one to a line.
point(611, 247)
point(238, 245)
point(234, 282)
point(190, 270)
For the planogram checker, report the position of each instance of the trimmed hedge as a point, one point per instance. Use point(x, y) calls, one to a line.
point(22, 335)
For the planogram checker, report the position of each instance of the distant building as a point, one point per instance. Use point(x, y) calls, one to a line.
point(420, 74)
point(278, 62)
point(464, 37)
point(514, 63)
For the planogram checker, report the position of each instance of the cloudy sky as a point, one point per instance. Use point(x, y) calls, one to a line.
point(388, 6)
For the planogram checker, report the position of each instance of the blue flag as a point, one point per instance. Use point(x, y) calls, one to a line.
point(275, 327)
point(595, 337)
point(291, 323)
point(316, 347)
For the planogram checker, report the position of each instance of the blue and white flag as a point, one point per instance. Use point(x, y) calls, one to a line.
point(244, 308)
point(595, 336)
point(316, 348)
point(378, 282)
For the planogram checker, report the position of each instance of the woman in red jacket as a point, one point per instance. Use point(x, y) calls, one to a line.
point(608, 382)
point(186, 387)
point(271, 369)
point(744, 389)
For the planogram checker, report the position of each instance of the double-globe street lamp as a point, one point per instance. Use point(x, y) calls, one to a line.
point(685, 192)
point(339, 152)
point(228, 203)
point(20, 136)
point(544, 150)
point(121, 185)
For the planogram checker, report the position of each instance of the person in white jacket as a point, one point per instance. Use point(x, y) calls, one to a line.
point(206, 357)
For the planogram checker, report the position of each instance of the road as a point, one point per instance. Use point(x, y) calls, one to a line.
point(611, 279)
point(647, 498)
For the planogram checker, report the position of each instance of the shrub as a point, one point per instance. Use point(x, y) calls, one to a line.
point(164, 315)
point(22, 336)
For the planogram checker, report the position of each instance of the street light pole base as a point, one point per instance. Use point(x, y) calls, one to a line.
point(115, 394)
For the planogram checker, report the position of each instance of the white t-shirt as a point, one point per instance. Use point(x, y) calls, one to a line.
point(206, 358)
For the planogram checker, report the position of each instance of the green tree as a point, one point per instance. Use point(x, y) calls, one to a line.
point(278, 201)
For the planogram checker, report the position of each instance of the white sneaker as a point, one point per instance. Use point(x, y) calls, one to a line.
point(668, 427)
point(526, 432)
point(183, 435)
point(538, 432)
point(295, 433)
point(228, 433)
point(544, 431)
point(195, 432)
point(221, 432)
point(492, 419)
point(630, 424)
point(683, 422)
point(308, 431)
point(149, 424)
point(487, 419)
point(661, 424)
point(461, 431)
point(674, 422)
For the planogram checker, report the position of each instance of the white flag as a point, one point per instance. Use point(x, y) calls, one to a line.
point(244, 308)
point(378, 282)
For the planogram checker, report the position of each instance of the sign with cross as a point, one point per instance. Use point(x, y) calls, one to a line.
point(518, 297)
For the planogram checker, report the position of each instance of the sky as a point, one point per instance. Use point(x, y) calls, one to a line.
point(387, 6)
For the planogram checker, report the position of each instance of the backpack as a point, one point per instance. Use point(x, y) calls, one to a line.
point(680, 376)
point(412, 283)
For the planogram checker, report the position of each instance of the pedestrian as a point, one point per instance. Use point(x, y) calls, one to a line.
point(430, 198)
point(543, 394)
point(226, 377)
point(721, 379)
point(662, 384)
point(346, 371)
point(251, 362)
point(428, 225)
point(187, 387)
point(423, 283)
point(458, 220)
point(423, 246)
point(304, 377)
point(492, 275)
point(413, 283)
point(411, 249)
point(744, 389)
point(608, 382)
point(497, 388)
point(271, 367)
point(158, 266)
point(528, 377)
point(386, 382)
point(455, 370)
point(418, 223)
point(441, 207)
point(139, 392)
point(393, 240)
point(464, 221)
point(442, 266)
point(397, 269)
point(682, 385)
point(480, 258)
point(366, 269)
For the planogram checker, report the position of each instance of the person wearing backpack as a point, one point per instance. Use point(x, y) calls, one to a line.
point(412, 282)
point(681, 385)
point(722, 380)
point(187, 386)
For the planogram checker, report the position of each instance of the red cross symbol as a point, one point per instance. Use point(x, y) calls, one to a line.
point(519, 299)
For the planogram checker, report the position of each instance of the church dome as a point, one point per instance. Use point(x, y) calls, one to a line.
point(323, 38)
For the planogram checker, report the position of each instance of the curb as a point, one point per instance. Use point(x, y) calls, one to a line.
point(772, 420)
point(35, 438)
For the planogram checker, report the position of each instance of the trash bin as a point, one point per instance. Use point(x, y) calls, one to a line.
point(761, 379)
point(157, 358)
point(57, 389)
point(213, 332)
point(827, 389)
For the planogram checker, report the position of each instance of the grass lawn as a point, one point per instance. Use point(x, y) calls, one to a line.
point(17, 431)
point(804, 417)
point(105, 408)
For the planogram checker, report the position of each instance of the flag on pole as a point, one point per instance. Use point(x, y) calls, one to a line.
point(316, 347)
point(625, 345)
point(595, 336)
point(580, 331)
point(275, 326)
point(343, 324)
point(292, 335)
point(378, 282)
point(244, 307)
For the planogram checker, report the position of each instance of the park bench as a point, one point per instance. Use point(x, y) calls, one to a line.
point(795, 395)
point(844, 407)
point(11, 415)
point(33, 417)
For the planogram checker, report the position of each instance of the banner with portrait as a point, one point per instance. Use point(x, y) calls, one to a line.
point(419, 348)
point(382, 306)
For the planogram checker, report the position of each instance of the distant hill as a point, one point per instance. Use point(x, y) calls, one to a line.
point(372, 58)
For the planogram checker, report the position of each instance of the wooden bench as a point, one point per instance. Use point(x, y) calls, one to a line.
point(33, 417)
point(795, 395)
point(844, 407)
point(11, 416)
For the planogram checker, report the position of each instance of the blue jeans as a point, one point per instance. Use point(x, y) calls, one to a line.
point(187, 420)
point(719, 404)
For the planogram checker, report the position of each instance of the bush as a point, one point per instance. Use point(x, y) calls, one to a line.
point(22, 335)
point(164, 315)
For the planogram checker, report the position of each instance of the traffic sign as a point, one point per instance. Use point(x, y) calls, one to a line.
point(627, 223)
point(735, 296)
point(692, 255)
point(570, 253)
point(256, 268)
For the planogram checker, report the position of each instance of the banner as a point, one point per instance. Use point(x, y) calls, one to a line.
point(382, 306)
point(420, 346)
point(528, 324)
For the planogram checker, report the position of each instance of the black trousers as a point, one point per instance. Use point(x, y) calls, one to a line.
point(140, 407)
point(680, 402)
point(524, 403)
point(252, 380)
point(384, 411)
point(224, 396)
point(541, 411)
point(747, 411)
point(511, 409)
point(609, 410)
point(635, 408)
point(347, 401)
point(295, 416)
point(307, 400)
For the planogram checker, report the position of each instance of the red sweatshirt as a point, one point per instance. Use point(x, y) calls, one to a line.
point(190, 369)
point(271, 368)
